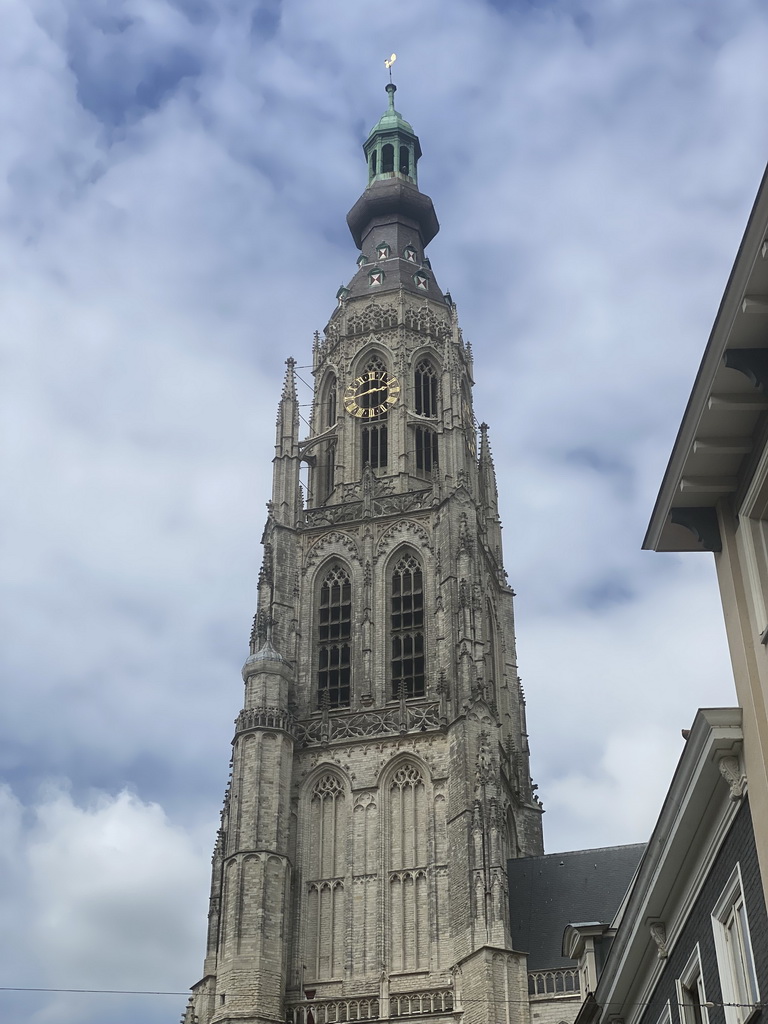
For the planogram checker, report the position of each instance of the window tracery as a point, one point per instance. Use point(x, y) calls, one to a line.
point(330, 401)
point(426, 449)
point(425, 389)
point(325, 860)
point(423, 320)
point(407, 629)
point(409, 832)
point(372, 318)
point(334, 634)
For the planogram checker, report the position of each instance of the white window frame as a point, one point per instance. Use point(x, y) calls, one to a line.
point(691, 976)
point(666, 1014)
point(755, 539)
point(733, 949)
point(753, 527)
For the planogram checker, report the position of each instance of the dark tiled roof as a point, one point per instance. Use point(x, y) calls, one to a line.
point(548, 893)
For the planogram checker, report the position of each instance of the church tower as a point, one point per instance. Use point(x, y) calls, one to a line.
point(380, 777)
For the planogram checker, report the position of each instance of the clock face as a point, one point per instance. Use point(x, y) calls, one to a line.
point(371, 394)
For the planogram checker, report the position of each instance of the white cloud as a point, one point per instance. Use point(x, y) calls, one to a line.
point(110, 895)
point(173, 188)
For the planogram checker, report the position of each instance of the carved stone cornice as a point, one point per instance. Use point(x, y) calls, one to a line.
point(350, 512)
point(265, 718)
point(393, 721)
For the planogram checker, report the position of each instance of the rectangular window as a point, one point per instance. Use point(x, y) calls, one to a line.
point(334, 634)
point(408, 665)
point(733, 947)
point(407, 600)
point(426, 449)
point(690, 992)
point(330, 469)
point(407, 624)
point(375, 446)
point(425, 390)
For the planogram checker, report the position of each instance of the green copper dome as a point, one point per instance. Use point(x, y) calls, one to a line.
point(392, 148)
point(391, 119)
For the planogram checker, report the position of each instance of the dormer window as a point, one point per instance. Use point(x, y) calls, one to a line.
point(421, 281)
point(375, 278)
point(409, 253)
point(362, 259)
point(341, 294)
point(382, 251)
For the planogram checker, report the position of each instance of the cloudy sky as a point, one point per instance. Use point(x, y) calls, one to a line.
point(175, 177)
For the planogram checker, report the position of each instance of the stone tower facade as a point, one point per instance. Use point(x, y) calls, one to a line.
point(380, 776)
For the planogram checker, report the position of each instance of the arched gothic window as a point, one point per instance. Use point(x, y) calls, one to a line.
point(425, 389)
point(334, 631)
point(374, 433)
point(409, 830)
point(324, 480)
point(407, 628)
point(325, 863)
point(330, 401)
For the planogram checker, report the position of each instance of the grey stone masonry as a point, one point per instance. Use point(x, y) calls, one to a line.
point(380, 777)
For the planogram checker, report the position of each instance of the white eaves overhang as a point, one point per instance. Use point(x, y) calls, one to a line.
point(723, 428)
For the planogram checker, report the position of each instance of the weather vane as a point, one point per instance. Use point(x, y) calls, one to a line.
point(388, 64)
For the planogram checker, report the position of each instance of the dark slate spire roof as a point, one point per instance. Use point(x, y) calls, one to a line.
point(549, 892)
point(392, 222)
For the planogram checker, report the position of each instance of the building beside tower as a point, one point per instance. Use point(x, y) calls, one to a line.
point(380, 778)
point(714, 495)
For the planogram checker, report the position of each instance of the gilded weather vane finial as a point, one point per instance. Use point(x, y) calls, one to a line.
point(388, 64)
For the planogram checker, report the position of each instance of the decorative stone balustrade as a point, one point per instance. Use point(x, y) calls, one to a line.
point(546, 984)
point(351, 511)
point(396, 719)
point(265, 718)
point(402, 1004)
point(411, 1004)
point(333, 1011)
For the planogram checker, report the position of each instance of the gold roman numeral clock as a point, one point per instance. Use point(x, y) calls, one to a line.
point(371, 394)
